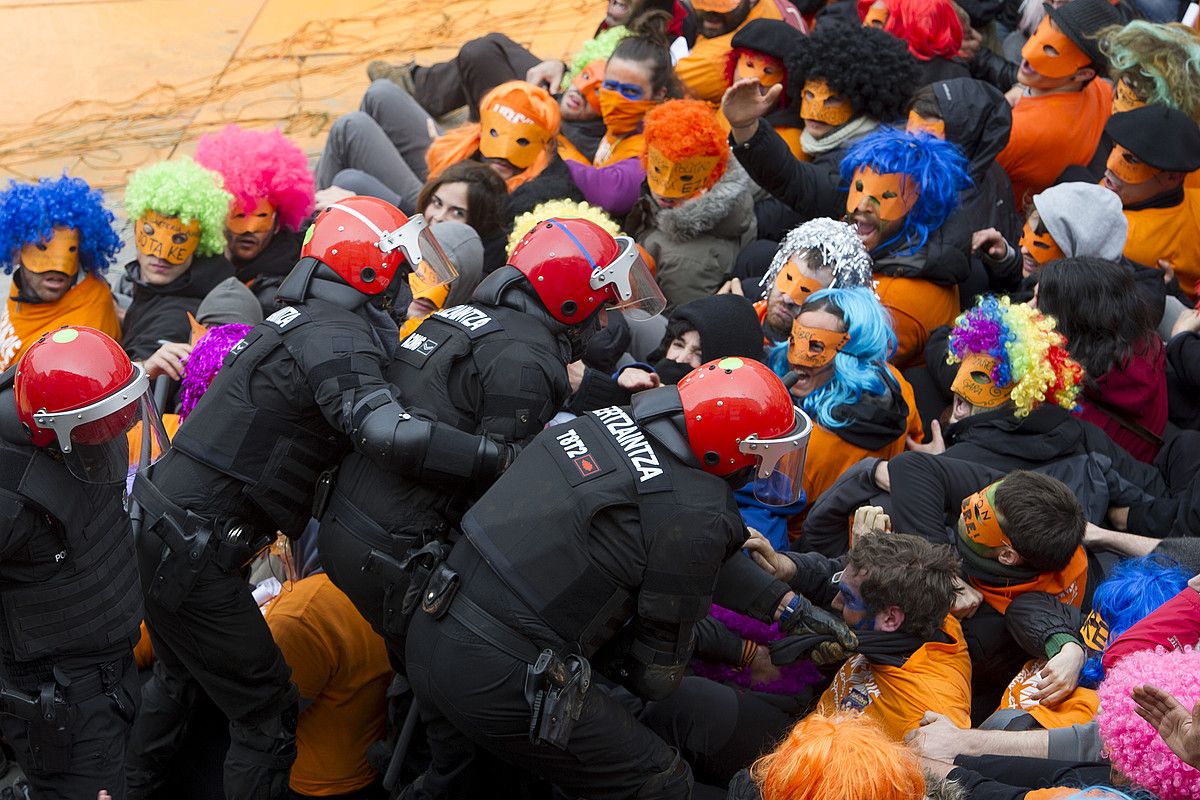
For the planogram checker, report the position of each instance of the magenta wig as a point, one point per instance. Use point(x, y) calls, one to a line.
point(930, 28)
point(257, 164)
point(205, 361)
point(1133, 745)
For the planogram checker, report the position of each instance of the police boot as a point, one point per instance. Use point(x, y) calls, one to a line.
point(260, 756)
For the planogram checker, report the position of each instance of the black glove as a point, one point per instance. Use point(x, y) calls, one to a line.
point(801, 617)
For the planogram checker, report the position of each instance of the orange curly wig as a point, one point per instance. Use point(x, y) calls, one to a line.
point(682, 129)
point(839, 757)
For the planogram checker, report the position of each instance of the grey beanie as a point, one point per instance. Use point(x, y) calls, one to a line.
point(465, 250)
point(1085, 219)
point(229, 303)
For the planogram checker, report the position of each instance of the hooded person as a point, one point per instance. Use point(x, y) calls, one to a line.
point(846, 81)
point(696, 212)
point(930, 28)
point(178, 209)
point(1058, 121)
point(702, 70)
point(1154, 148)
point(759, 51)
point(465, 251)
point(273, 190)
point(903, 187)
point(57, 241)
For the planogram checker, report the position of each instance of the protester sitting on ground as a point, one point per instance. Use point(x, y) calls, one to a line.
point(579, 96)
point(57, 241)
point(272, 189)
point(1153, 63)
point(178, 210)
point(465, 252)
point(760, 50)
point(859, 404)
point(697, 211)
point(930, 29)
point(1110, 332)
point(847, 82)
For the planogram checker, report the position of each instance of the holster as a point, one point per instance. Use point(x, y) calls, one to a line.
point(406, 578)
point(556, 689)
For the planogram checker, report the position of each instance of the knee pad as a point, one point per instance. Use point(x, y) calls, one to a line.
point(673, 783)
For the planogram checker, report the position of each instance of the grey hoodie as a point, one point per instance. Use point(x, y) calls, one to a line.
point(1085, 219)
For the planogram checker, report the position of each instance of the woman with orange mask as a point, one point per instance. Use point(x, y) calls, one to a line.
point(759, 50)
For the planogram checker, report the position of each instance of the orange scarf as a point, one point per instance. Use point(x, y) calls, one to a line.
point(1067, 585)
point(88, 302)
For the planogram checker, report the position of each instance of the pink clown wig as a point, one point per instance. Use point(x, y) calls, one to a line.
point(257, 164)
point(1132, 744)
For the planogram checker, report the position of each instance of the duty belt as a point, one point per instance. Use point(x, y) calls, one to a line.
point(493, 631)
point(64, 691)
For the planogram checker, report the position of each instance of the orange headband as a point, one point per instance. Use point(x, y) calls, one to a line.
point(979, 519)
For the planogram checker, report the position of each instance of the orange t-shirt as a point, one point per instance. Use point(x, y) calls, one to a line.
point(1051, 132)
point(937, 677)
point(1169, 233)
point(1080, 706)
point(702, 70)
point(88, 302)
point(1068, 585)
point(917, 308)
point(341, 665)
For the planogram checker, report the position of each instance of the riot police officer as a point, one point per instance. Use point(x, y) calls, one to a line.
point(602, 541)
point(68, 581)
point(298, 392)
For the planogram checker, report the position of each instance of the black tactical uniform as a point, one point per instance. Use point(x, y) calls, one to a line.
point(71, 606)
point(603, 541)
point(290, 400)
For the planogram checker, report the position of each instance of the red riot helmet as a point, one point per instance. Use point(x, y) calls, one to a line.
point(575, 267)
point(76, 388)
point(739, 415)
point(365, 241)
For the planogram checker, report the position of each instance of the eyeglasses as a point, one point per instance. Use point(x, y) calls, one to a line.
point(630, 91)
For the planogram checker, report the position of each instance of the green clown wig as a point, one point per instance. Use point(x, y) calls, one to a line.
point(182, 188)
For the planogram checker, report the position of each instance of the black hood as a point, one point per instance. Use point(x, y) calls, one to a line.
point(1045, 435)
point(876, 420)
point(978, 120)
point(199, 279)
point(943, 260)
point(728, 326)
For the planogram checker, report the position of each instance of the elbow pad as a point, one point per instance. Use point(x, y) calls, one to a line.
point(418, 448)
point(655, 669)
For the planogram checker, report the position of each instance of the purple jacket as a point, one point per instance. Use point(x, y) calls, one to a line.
point(615, 188)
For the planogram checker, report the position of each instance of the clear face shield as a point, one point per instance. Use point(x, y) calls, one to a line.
point(422, 249)
point(778, 477)
point(637, 293)
point(105, 441)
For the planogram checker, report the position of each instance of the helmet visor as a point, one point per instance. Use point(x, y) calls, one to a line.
point(423, 251)
point(630, 283)
point(103, 442)
point(778, 479)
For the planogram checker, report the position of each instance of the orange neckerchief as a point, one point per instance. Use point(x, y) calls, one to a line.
point(1067, 585)
point(88, 302)
point(463, 143)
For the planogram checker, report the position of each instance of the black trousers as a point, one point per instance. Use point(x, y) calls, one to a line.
point(83, 751)
point(481, 65)
point(465, 682)
point(217, 639)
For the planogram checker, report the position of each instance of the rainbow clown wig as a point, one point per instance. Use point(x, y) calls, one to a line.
point(1160, 63)
point(261, 164)
point(859, 367)
point(930, 28)
point(825, 244)
point(937, 168)
point(1135, 748)
point(562, 209)
point(30, 211)
point(1031, 355)
point(182, 188)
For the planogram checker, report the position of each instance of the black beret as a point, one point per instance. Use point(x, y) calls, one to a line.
point(770, 36)
point(1081, 21)
point(1162, 137)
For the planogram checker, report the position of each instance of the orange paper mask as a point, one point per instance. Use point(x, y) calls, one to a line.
point(1125, 99)
point(979, 519)
point(894, 192)
point(814, 347)
point(168, 238)
point(260, 219)
point(768, 71)
point(1041, 246)
point(622, 115)
point(877, 15)
point(795, 284)
point(1128, 167)
point(508, 134)
point(820, 103)
point(678, 180)
point(1052, 53)
point(975, 384)
point(197, 329)
point(1094, 631)
point(60, 253)
point(434, 294)
point(588, 81)
point(918, 124)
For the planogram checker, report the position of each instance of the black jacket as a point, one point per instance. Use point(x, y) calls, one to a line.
point(1183, 380)
point(810, 188)
point(876, 420)
point(553, 183)
point(264, 273)
point(160, 312)
point(941, 69)
point(941, 260)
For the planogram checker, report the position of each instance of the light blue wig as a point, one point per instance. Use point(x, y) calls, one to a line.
point(859, 367)
point(29, 212)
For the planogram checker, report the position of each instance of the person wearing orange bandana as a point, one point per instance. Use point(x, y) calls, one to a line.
point(1059, 119)
point(1154, 149)
point(56, 240)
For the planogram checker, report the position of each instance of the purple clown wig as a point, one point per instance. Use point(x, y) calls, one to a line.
point(261, 164)
point(205, 361)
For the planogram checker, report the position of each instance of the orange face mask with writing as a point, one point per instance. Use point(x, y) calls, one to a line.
point(1125, 99)
point(508, 134)
point(979, 520)
point(259, 219)
point(975, 384)
point(822, 104)
point(1052, 53)
point(893, 192)
point(60, 253)
point(678, 180)
point(814, 347)
point(765, 69)
point(168, 238)
point(1128, 167)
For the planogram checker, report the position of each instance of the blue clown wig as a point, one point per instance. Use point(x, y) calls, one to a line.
point(938, 169)
point(29, 212)
point(859, 367)
point(1133, 589)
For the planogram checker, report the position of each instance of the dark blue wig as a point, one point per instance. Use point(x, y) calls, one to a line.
point(29, 212)
point(939, 169)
